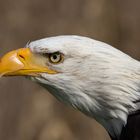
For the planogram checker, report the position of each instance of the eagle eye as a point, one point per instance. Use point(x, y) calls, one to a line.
point(55, 58)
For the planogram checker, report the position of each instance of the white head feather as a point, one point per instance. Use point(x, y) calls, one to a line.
point(94, 78)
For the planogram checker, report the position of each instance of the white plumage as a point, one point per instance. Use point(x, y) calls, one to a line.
point(94, 78)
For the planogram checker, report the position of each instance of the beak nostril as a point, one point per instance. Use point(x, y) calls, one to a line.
point(21, 56)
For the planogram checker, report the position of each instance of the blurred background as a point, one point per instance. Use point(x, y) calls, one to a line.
point(29, 112)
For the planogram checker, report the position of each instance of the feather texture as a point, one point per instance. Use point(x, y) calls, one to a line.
point(94, 77)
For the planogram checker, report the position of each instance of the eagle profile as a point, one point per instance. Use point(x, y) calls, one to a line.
point(92, 76)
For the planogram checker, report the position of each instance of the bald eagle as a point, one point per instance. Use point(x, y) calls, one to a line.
point(92, 76)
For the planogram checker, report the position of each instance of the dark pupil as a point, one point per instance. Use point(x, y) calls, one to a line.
point(54, 56)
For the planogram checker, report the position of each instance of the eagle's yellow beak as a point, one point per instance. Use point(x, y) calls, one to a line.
point(23, 62)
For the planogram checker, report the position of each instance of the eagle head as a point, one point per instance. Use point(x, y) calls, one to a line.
point(92, 76)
